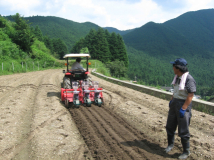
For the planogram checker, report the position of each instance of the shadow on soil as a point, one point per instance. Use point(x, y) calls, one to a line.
point(54, 94)
point(153, 148)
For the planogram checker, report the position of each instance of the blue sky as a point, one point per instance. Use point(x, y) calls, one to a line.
point(121, 14)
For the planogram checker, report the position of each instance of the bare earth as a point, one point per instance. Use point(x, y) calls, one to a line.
point(34, 124)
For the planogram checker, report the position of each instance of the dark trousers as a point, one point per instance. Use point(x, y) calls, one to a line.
point(174, 119)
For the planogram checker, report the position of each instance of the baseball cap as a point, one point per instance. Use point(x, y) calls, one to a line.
point(180, 61)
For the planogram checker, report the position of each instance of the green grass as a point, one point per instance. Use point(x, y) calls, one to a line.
point(204, 109)
point(20, 66)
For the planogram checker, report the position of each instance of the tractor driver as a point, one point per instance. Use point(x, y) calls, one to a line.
point(76, 65)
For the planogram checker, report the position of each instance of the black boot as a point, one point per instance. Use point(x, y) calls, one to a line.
point(170, 142)
point(186, 146)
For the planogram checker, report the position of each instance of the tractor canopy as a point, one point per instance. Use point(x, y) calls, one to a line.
point(73, 55)
point(76, 55)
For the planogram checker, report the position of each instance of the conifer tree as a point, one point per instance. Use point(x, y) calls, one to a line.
point(102, 49)
point(113, 46)
point(90, 42)
point(107, 35)
point(122, 53)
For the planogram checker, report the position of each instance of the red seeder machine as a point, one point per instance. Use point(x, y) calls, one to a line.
point(77, 88)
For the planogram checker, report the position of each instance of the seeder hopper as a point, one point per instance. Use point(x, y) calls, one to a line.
point(77, 88)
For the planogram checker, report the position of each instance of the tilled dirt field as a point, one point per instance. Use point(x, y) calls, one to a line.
point(34, 124)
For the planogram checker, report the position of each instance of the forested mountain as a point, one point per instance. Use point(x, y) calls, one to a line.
point(197, 27)
point(190, 36)
point(150, 47)
point(111, 29)
point(67, 30)
point(19, 43)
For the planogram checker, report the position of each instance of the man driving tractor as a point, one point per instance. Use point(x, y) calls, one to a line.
point(77, 87)
point(76, 65)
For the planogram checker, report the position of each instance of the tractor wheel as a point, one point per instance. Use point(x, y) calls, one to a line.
point(66, 83)
point(102, 101)
point(66, 103)
point(88, 104)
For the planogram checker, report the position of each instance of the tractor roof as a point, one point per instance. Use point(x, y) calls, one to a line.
point(76, 55)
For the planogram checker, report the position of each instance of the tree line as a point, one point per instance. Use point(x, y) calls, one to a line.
point(26, 34)
point(57, 47)
point(103, 46)
point(151, 70)
point(20, 43)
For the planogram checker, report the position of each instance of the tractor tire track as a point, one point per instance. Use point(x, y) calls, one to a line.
point(13, 150)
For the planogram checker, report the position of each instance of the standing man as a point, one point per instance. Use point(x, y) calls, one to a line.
point(180, 107)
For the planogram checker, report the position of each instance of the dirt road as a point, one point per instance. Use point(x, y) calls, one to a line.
point(34, 124)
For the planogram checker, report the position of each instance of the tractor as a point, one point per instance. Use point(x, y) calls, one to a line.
point(77, 87)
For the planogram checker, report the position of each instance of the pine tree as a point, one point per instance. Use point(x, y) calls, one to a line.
point(122, 53)
point(113, 47)
point(90, 43)
point(107, 35)
point(102, 49)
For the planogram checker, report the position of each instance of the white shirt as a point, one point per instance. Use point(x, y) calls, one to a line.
point(76, 65)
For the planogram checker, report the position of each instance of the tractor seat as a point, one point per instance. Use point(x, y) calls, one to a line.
point(77, 71)
point(78, 74)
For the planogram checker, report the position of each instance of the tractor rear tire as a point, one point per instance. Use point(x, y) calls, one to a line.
point(66, 83)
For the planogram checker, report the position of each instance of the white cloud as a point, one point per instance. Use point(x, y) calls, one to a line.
point(193, 5)
point(121, 14)
point(21, 5)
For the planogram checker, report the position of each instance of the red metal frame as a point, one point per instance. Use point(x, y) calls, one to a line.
point(67, 94)
point(68, 74)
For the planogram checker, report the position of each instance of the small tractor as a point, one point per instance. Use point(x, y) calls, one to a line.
point(77, 88)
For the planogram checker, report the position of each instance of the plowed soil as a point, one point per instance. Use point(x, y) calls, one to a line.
point(34, 124)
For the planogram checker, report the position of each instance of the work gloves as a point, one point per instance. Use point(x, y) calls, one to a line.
point(182, 112)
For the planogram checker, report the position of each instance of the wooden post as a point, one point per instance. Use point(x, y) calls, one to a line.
point(13, 66)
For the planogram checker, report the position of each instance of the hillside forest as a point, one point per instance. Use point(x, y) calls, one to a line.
point(106, 47)
point(145, 52)
point(21, 44)
point(190, 36)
